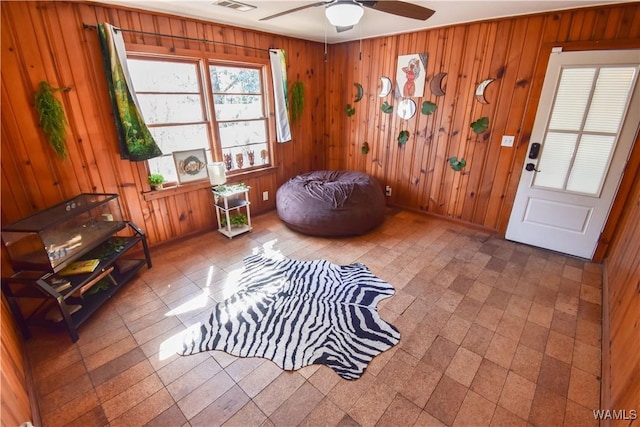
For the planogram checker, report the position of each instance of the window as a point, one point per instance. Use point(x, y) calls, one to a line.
point(240, 113)
point(175, 97)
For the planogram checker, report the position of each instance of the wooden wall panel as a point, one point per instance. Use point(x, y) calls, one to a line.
point(16, 407)
point(47, 41)
point(513, 51)
point(623, 274)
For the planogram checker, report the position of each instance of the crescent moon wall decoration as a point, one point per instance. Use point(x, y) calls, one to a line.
point(359, 92)
point(480, 91)
point(436, 84)
point(385, 83)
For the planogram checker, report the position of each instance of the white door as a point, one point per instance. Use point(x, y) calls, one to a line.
point(585, 126)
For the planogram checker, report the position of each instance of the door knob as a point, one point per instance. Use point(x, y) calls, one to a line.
point(531, 167)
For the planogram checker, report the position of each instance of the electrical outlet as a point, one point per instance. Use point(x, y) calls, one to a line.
point(387, 191)
point(265, 196)
point(507, 140)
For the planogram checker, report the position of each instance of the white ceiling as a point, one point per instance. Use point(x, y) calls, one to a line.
point(310, 24)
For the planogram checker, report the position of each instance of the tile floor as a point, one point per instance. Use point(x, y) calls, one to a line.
point(493, 333)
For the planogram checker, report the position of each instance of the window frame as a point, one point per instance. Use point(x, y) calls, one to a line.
point(203, 60)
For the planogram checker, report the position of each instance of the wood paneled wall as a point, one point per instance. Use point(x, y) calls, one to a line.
point(623, 273)
point(512, 51)
point(16, 407)
point(47, 41)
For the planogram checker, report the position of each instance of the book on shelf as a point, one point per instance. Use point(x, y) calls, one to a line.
point(58, 283)
point(80, 267)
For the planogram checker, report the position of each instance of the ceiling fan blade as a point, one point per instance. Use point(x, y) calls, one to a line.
point(400, 8)
point(295, 9)
point(343, 29)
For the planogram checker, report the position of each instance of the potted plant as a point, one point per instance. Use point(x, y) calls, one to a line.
point(237, 220)
point(156, 180)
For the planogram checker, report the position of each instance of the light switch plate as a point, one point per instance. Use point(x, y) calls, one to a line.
point(507, 140)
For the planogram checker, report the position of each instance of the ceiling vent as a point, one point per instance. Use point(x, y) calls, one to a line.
point(235, 5)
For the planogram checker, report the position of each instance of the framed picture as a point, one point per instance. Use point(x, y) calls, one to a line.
point(410, 75)
point(191, 165)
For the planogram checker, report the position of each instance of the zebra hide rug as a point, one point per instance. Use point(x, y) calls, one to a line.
point(298, 313)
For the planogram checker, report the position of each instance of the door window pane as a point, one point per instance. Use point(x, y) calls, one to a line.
point(590, 165)
point(572, 98)
point(555, 160)
point(610, 99)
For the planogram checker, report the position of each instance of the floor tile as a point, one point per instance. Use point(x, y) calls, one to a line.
point(504, 418)
point(446, 400)
point(584, 388)
point(475, 411)
point(455, 329)
point(400, 412)
point(463, 366)
point(370, 407)
point(517, 395)
point(440, 353)
point(297, 407)
point(501, 350)
point(534, 336)
point(548, 408)
point(477, 339)
point(325, 413)
point(554, 375)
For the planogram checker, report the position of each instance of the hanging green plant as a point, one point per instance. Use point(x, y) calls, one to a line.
point(297, 101)
point(428, 108)
point(52, 119)
point(480, 125)
point(456, 164)
point(403, 137)
point(386, 108)
point(350, 110)
point(365, 147)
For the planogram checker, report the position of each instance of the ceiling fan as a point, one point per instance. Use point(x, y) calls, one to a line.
point(344, 14)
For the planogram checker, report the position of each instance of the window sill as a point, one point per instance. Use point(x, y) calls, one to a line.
point(186, 188)
point(172, 191)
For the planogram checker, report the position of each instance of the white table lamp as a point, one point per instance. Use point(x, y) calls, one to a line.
point(216, 173)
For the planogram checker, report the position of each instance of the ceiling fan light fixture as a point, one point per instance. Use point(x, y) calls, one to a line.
point(344, 14)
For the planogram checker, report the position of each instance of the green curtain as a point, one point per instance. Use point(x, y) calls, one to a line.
point(136, 142)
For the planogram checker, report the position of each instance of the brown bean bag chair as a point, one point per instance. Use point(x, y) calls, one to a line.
point(331, 203)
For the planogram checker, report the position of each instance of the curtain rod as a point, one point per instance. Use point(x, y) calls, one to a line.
point(149, 33)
